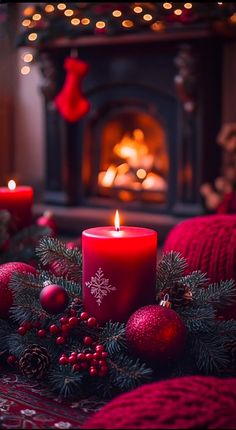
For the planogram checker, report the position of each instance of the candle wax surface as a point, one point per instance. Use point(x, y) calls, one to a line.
point(126, 261)
point(19, 203)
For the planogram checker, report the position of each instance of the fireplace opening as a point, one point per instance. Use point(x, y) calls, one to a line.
point(133, 160)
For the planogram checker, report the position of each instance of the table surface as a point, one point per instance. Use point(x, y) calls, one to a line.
point(27, 406)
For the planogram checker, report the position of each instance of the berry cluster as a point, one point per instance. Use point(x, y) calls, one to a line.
point(61, 330)
point(94, 361)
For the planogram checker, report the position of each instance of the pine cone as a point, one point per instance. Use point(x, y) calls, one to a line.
point(34, 362)
point(179, 295)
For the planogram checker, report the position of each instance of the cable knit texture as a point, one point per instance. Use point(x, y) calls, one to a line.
point(208, 243)
point(188, 402)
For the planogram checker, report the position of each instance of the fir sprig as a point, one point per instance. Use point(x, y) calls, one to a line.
point(219, 294)
point(210, 353)
point(51, 251)
point(112, 336)
point(22, 244)
point(127, 373)
point(65, 382)
point(210, 342)
point(170, 269)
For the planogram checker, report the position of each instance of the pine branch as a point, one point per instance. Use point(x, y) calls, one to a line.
point(199, 318)
point(127, 374)
point(194, 280)
point(65, 382)
point(30, 235)
point(26, 289)
point(6, 327)
point(112, 336)
point(210, 354)
point(73, 288)
point(170, 269)
point(219, 294)
point(51, 251)
point(22, 244)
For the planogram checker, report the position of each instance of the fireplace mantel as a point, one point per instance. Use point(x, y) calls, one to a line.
point(217, 30)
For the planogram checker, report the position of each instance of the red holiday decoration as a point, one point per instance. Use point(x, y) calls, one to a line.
point(156, 333)
point(47, 220)
point(54, 299)
point(70, 101)
point(6, 272)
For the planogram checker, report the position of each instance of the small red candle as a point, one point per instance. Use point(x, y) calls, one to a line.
point(119, 270)
point(18, 201)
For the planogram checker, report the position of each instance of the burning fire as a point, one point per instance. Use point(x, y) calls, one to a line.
point(138, 169)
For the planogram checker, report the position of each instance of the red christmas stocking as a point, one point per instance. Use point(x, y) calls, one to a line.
point(70, 101)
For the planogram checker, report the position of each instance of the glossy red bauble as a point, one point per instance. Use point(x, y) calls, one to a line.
point(6, 272)
point(54, 299)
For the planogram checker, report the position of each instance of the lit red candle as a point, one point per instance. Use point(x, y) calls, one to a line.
point(119, 270)
point(18, 201)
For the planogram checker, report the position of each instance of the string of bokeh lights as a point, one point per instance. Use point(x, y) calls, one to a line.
point(98, 24)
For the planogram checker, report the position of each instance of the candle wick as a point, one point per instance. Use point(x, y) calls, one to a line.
point(117, 228)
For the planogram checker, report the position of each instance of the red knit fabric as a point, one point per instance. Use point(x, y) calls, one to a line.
point(209, 244)
point(189, 402)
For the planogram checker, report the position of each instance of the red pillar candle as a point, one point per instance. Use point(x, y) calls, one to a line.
point(119, 271)
point(18, 201)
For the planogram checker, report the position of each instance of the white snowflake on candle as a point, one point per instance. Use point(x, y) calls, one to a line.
point(99, 286)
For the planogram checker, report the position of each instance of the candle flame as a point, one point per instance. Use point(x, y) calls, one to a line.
point(117, 221)
point(11, 185)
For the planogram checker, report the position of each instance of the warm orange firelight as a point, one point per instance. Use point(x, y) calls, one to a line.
point(11, 185)
point(117, 221)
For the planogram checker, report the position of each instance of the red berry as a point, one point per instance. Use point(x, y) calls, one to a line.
point(63, 320)
point(54, 329)
point(104, 354)
point(72, 359)
point(60, 340)
point(93, 371)
point(65, 329)
point(81, 356)
point(74, 353)
point(21, 330)
point(99, 348)
point(88, 340)
point(104, 369)
point(27, 325)
point(11, 359)
point(84, 315)
point(37, 324)
point(41, 333)
point(94, 363)
point(73, 321)
point(84, 365)
point(102, 372)
point(89, 356)
point(76, 368)
point(92, 322)
point(63, 360)
point(102, 363)
point(96, 355)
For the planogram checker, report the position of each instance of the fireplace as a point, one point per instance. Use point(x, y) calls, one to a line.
point(147, 141)
point(132, 163)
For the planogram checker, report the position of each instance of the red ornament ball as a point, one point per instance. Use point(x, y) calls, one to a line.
point(6, 272)
point(156, 333)
point(47, 220)
point(54, 299)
